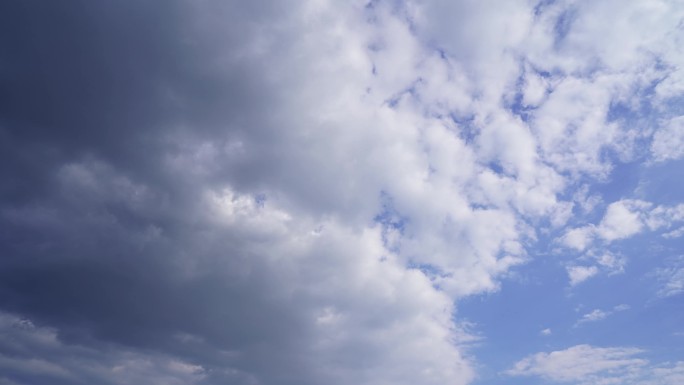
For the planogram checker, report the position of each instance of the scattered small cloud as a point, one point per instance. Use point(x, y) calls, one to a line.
point(598, 314)
point(671, 278)
point(579, 274)
point(594, 315)
point(579, 238)
point(611, 263)
point(674, 233)
point(668, 142)
point(623, 219)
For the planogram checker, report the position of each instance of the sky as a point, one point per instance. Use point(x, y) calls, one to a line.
point(371, 192)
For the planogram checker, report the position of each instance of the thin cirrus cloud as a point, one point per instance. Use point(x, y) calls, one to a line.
point(282, 192)
point(598, 314)
point(586, 364)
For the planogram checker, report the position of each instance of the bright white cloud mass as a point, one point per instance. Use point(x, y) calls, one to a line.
point(352, 192)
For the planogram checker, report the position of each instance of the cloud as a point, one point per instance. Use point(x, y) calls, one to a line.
point(623, 219)
point(579, 238)
point(676, 233)
point(579, 274)
point(214, 288)
point(598, 314)
point(671, 278)
point(595, 315)
point(669, 140)
point(602, 263)
point(30, 354)
point(579, 364)
point(301, 192)
point(230, 225)
point(586, 364)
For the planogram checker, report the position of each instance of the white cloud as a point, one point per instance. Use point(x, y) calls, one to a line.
point(535, 89)
point(671, 278)
point(545, 332)
point(623, 219)
point(579, 274)
point(585, 364)
point(668, 142)
point(611, 263)
point(579, 238)
point(676, 233)
point(603, 263)
point(579, 364)
point(595, 315)
point(598, 314)
point(586, 201)
point(665, 216)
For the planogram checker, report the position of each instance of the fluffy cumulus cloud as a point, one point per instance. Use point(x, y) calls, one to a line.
point(301, 192)
point(622, 219)
point(578, 274)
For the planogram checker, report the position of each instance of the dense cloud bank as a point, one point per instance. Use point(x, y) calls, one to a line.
point(292, 192)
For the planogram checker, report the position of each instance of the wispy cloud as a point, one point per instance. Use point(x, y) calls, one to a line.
point(586, 364)
point(671, 278)
point(598, 314)
point(579, 274)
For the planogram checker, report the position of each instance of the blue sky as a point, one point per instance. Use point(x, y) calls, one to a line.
point(420, 192)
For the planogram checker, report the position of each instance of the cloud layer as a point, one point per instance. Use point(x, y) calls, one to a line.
point(286, 192)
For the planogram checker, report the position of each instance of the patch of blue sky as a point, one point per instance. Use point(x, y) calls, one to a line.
point(538, 297)
point(409, 91)
point(563, 25)
point(427, 269)
point(652, 320)
point(662, 183)
point(622, 182)
point(516, 104)
point(673, 106)
point(390, 220)
point(512, 319)
point(260, 199)
point(467, 130)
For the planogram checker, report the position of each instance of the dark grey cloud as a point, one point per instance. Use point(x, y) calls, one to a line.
point(97, 230)
point(82, 77)
point(114, 81)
